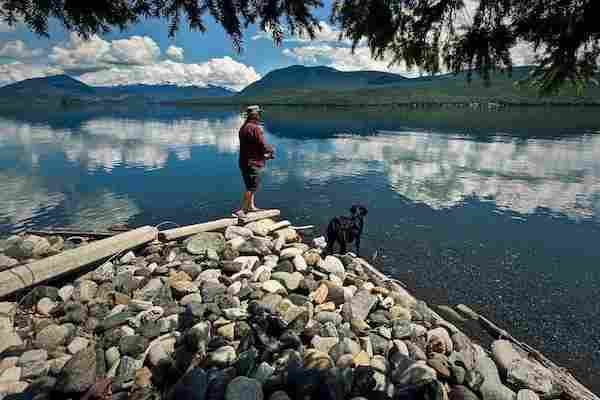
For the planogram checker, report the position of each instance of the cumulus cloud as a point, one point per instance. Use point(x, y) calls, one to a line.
point(17, 49)
point(136, 50)
point(175, 53)
point(218, 71)
point(80, 55)
point(341, 58)
point(325, 34)
point(17, 71)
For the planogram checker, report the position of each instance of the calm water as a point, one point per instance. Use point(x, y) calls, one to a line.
point(500, 210)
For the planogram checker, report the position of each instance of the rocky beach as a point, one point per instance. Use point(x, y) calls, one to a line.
point(247, 312)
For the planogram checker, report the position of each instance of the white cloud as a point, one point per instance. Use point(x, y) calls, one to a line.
point(17, 71)
point(136, 50)
point(218, 71)
point(80, 55)
point(175, 53)
point(17, 49)
point(341, 58)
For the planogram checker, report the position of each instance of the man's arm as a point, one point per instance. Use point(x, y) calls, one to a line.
point(260, 138)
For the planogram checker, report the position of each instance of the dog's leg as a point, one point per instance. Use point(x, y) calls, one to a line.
point(343, 247)
point(358, 246)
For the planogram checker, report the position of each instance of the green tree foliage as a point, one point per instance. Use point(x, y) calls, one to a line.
point(426, 34)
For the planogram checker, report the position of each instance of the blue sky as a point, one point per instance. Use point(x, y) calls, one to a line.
point(145, 53)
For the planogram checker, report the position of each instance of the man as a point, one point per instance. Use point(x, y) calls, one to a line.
point(253, 153)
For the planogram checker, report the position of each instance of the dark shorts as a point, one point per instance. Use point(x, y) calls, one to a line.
point(251, 175)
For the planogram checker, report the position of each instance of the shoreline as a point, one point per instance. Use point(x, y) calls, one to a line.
point(254, 302)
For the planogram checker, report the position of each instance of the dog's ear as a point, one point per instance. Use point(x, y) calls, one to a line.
point(353, 210)
point(363, 210)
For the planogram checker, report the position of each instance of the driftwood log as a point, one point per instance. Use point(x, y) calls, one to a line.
point(258, 215)
point(72, 232)
point(25, 276)
point(189, 230)
point(570, 387)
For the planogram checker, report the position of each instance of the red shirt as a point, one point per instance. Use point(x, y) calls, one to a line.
point(252, 145)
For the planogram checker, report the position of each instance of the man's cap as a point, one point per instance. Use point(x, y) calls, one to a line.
point(253, 109)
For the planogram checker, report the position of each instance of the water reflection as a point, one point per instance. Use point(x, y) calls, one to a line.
point(439, 169)
point(442, 170)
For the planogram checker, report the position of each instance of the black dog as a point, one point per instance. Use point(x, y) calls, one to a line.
point(345, 230)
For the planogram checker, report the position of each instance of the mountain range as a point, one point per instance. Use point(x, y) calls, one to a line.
point(301, 85)
point(63, 89)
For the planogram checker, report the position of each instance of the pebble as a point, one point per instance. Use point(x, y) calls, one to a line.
point(77, 344)
point(45, 306)
point(315, 359)
point(222, 357)
point(274, 287)
point(32, 356)
point(242, 388)
point(12, 374)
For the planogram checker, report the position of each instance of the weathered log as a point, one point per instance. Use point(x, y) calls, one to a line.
point(278, 225)
point(184, 231)
point(570, 387)
point(24, 276)
point(258, 215)
point(71, 232)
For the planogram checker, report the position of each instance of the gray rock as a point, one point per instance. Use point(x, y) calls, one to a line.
point(526, 374)
point(192, 386)
point(402, 330)
point(105, 273)
point(291, 281)
point(279, 395)
point(85, 291)
point(329, 316)
point(415, 352)
point(32, 356)
point(201, 242)
point(416, 374)
point(504, 354)
point(242, 388)
point(324, 344)
point(66, 292)
point(133, 345)
point(464, 346)
point(459, 392)
point(35, 370)
point(345, 346)
point(79, 373)
point(492, 387)
point(192, 297)
point(263, 372)
point(127, 368)
point(112, 356)
point(273, 286)
point(362, 304)
point(199, 335)
point(222, 357)
point(333, 266)
point(52, 336)
point(255, 247)
point(526, 394)
point(237, 231)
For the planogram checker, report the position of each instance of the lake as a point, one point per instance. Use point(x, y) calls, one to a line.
point(497, 210)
